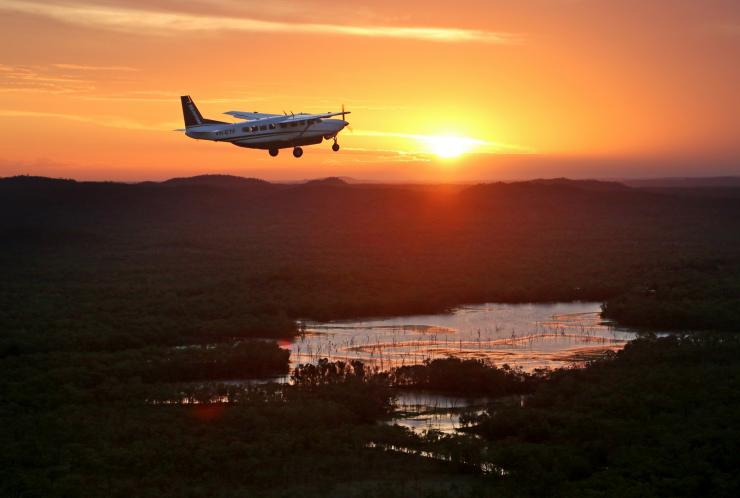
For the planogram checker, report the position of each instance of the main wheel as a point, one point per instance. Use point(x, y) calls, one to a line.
point(297, 152)
point(335, 147)
point(274, 152)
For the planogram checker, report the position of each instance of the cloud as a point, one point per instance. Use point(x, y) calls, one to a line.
point(139, 21)
point(373, 155)
point(474, 144)
point(40, 79)
point(85, 67)
point(106, 121)
point(59, 78)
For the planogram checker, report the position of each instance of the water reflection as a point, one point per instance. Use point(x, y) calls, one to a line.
point(522, 335)
point(420, 411)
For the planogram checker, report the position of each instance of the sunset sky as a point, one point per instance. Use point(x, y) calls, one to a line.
point(90, 89)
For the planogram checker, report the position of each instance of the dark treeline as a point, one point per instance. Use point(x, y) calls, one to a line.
point(76, 426)
point(466, 377)
point(444, 375)
point(695, 295)
point(122, 307)
point(655, 419)
point(107, 266)
point(658, 419)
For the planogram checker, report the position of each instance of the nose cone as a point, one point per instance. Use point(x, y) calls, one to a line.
point(344, 123)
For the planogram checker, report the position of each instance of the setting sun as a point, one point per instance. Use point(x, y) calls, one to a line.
point(502, 91)
point(446, 146)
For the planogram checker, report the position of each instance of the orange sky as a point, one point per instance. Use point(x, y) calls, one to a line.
point(584, 88)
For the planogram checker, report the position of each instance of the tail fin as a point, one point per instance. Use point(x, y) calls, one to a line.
point(191, 113)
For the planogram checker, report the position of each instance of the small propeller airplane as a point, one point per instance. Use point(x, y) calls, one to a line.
point(265, 131)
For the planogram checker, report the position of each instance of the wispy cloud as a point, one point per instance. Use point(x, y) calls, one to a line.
point(87, 67)
point(106, 121)
point(476, 145)
point(167, 23)
point(374, 156)
point(38, 78)
point(58, 78)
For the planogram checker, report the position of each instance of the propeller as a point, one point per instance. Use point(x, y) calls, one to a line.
point(344, 113)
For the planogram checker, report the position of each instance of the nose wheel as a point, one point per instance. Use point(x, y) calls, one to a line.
point(335, 146)
point(274, 152)
point(297, 152)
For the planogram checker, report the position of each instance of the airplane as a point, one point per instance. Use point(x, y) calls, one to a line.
point(264, 131)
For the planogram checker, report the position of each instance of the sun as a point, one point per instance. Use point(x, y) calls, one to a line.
point(449, 146)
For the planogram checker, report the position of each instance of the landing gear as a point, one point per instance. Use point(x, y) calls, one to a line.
point(335, 147)
point(274, 152)
point(297, 152)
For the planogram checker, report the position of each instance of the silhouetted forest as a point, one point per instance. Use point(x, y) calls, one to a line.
point(659, 419)
point(107, 266)
point(133, 315)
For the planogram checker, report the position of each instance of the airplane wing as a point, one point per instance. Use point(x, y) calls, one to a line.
point(250, 116)
point(321, 116)
point(274, 118)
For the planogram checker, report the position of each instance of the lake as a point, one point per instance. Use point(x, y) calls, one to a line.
point(521, 335)
point(528, 336)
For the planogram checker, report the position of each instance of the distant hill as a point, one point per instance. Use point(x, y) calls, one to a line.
point(216, 181)
point(597, 185)
point(332, 180)
point(548, 187)
point(685, 182)
point(30, 181)
point(214, 187)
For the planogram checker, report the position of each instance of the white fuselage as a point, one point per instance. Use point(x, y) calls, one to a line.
point(293, 132)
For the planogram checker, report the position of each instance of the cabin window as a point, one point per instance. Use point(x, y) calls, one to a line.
point(245, 129)
point(253, 129)
point(272, 126)
point(263, 128)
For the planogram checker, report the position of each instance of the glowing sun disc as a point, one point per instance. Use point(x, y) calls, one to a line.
point(446, 146)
